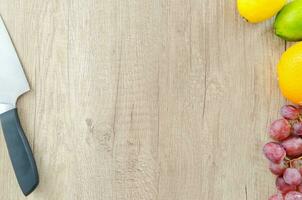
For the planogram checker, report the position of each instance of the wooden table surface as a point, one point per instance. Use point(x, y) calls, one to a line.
point(144, 99)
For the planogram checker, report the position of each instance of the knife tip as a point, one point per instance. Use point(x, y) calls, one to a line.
point(1, 19)
point(2, 24)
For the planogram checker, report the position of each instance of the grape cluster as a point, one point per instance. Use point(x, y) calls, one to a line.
point(285, 153)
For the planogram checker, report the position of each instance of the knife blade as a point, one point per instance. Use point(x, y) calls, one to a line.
point(13, 84)
point(11, 72)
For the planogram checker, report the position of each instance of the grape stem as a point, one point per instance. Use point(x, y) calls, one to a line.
point(290, 161)
point(300, 118)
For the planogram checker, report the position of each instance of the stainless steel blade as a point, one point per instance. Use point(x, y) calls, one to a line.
point(13, 82)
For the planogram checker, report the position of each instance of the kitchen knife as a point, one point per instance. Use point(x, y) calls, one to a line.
point(13, 84)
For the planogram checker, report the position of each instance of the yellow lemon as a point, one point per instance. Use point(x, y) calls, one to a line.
point(259, 10)
point(290, 73)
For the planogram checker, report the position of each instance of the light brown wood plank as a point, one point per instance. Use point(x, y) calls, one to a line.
point(136, 167)
point(52, 112)
point(93, 74)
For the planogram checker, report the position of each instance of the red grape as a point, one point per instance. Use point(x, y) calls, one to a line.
point(292, 176)
point(276, 197)
point(289, 112)
point(283, 187)
point(297, 163)
point(293, 195)
point(299, 108)
point(277, 168)
point(297, 127)
point(274, 152)
point(280, 129)
point(293, 146)
point(300, 188)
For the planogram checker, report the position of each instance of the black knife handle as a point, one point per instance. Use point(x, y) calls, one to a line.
point(20, 152)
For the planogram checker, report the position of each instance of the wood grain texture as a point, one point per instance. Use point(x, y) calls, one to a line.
point(144, 100)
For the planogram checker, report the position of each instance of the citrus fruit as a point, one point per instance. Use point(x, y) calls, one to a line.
point(288, 23)
point(290, 73)
point(256, 11)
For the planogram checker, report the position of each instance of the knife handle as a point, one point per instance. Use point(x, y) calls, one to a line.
point(19, 151)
